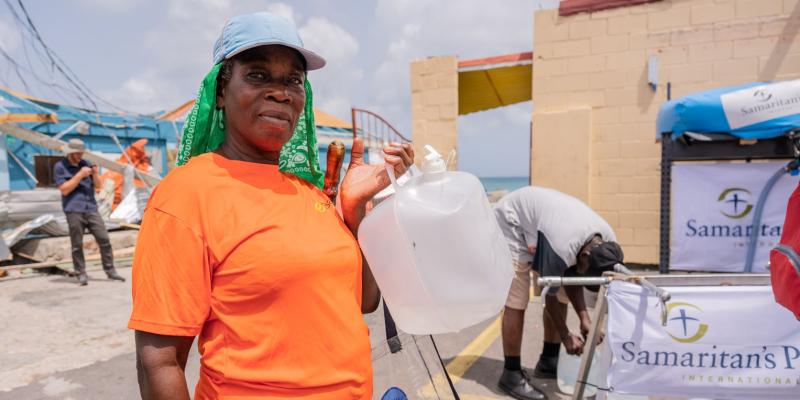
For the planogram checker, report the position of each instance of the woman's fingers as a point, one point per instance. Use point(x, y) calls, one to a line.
point(405, 151)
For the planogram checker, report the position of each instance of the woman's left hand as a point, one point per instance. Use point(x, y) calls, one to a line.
point(363, 181)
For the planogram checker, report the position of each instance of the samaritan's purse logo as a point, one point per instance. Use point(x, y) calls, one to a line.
point(735, 203)
point(322, 206)
point(683, 325)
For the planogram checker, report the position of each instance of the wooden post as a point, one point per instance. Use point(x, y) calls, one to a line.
point(591, 343)
point(47, 142)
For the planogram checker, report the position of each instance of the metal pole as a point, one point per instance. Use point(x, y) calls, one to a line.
point(666, 188)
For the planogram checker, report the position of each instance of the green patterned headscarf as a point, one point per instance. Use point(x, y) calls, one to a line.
point(204, 131)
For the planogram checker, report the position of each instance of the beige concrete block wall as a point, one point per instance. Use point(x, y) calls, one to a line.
point(434, 105)
point(599, 61)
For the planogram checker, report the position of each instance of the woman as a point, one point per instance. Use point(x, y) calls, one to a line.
point(240, 247)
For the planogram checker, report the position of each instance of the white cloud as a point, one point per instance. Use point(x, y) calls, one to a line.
point(328, 39)
point(9, 37)
point(116, 6)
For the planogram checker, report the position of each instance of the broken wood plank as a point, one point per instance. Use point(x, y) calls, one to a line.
point(48, 142)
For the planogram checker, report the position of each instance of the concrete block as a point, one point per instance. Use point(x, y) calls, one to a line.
point(447, 81)
point(790, 6)
point(587, 29)
point(789, 67)
point(545, 50)
point(616, 168)
point(669, 18)
point(605, 115)
point(551, 102)
point(682, 89)
point(569, 83)
point(562, 161)
point(607, 79)
point(639, 113)
point(613, 202)
point(547, 27)
point(712, 12)
point(624, 237)
point(640, 150)
point(712, 51)
point(627, 24)
point(448, 111)
point(641, 185)
point(746, 48)
point(59, 248)
point(672, 55)
point(550, 67)
point(661, 39)
point(572, 48)
point(609, 13)
point(609, 44)
point(606, 151)
point(440, 96)
point(605, 185)
point(593, 63)
point(640, 254)
point(638, 219)
point(622, 96)
point(592, 99)
point(736, 30)
point(777, 26)
point(685, 37)
point(618, 132)
point(611, 217)
point(649, 166)
point(678, 74)
point(742, 68)
point(628, 59)
point(749, 9)
point(649, 202)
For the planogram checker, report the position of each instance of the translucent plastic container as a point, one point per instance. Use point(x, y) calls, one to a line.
point(436, 251)
point(568, 366)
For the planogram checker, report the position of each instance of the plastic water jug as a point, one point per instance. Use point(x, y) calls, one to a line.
point(568, 366)
point(436, 251)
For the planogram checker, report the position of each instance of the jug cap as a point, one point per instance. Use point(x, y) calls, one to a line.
point(433, 161)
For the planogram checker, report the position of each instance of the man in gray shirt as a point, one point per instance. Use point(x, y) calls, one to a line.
point(550, 234)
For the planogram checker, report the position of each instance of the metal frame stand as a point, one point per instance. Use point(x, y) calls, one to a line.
point(687, 149)
point(652, 283)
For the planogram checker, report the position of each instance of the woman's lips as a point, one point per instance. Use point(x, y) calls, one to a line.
point(275, 117)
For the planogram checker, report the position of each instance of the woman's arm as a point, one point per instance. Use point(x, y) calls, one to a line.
point(360, 184)
point(160, 362)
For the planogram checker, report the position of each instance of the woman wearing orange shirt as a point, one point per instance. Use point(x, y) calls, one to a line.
point(241, 248)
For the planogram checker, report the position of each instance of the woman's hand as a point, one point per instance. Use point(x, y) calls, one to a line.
point(363, 181)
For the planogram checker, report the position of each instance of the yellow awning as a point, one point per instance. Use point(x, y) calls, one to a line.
point(494, 82)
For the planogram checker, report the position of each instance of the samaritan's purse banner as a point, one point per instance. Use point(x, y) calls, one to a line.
point(723, 342)
point(712, 214)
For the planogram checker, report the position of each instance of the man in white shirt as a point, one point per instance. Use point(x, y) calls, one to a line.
point(550, 234)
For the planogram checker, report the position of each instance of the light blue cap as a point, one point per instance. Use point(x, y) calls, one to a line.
point(245, 32)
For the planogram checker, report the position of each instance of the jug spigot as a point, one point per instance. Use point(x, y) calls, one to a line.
point(433, 161)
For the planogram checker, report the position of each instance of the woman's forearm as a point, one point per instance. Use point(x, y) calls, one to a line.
point(162, 382)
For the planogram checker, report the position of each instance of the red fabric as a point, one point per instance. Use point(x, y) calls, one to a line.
point(785, 280)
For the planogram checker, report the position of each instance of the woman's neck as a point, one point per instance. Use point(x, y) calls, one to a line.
point(232, 150)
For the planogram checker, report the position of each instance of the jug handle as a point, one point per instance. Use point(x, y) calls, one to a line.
point(390, 172)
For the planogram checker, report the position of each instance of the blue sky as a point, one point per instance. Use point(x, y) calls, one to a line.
point(148, 55)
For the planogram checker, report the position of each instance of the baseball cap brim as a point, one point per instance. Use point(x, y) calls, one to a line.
point(313, 60)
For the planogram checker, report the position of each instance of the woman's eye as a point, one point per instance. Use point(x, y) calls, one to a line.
point(296, 81)
point(257, 75)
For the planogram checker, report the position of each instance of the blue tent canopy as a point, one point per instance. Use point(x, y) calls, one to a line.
point(757, 110)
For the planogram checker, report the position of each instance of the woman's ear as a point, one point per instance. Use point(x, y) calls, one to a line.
point(220, 103)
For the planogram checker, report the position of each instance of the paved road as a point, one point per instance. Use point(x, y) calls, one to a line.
point(61, 341)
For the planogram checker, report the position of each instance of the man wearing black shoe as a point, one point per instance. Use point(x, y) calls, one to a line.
point(549, 234)
point(76, 179)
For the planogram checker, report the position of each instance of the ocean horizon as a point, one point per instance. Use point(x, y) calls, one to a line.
point(510, 183)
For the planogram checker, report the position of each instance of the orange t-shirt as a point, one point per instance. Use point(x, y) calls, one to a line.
point(259, 264)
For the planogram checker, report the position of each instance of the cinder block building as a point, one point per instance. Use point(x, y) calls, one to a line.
point(594, 107)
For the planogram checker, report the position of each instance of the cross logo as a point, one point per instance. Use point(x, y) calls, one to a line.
point(735, 201)
point(683, 325)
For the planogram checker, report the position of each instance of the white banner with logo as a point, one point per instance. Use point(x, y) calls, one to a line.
point(721, 342)
point(712, 211)
point(761, 103)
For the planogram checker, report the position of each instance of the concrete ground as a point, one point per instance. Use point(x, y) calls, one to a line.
point(61, 341)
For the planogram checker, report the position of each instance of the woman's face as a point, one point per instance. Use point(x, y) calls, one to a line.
point(264, 98)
